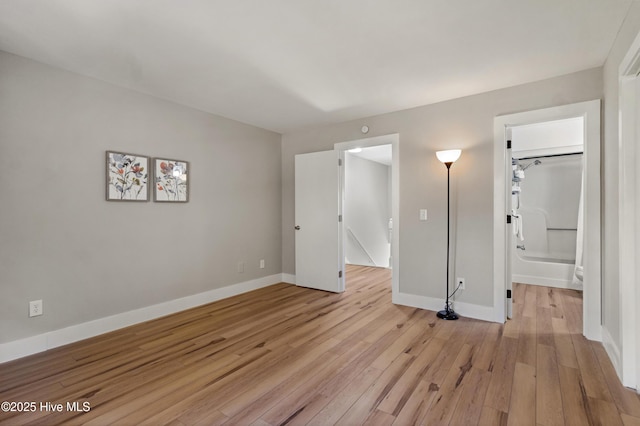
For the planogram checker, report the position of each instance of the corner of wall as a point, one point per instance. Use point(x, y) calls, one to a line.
point(469, 310)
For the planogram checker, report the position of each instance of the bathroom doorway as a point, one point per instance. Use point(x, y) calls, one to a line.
point(547, 203)
point(589, 112)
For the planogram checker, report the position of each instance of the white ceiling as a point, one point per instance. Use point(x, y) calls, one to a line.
point(289, 64)
point(379, 153)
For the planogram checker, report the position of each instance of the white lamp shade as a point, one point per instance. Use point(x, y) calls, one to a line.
point(449, 156)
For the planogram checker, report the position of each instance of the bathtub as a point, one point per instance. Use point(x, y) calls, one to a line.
point(549, 255)
point(543, 269)
point(548, 205)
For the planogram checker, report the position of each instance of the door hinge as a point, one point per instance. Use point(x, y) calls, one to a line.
point(508, 218)
point(339, 161)
point(339, 274)
point(509, 144)
point(508, 294)
point(339, 218)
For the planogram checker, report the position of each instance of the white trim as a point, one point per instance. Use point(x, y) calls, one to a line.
point(612, 350)
point(628, 209)
point(52, 339)
point(500, 209)
point(394, 140)
point(590, 110)
point(468, 310)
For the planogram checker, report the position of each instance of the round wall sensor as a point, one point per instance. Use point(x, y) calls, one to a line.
point(365, 129)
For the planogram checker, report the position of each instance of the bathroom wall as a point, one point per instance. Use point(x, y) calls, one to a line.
point(549, 202)
point(551, 137)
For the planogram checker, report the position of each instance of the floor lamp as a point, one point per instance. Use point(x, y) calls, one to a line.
point(448, 158)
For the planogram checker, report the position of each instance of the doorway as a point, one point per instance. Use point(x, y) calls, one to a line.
point(319, 207)
point(546, 203)
point(358, 232)
point(367, 206)
point(503, 172)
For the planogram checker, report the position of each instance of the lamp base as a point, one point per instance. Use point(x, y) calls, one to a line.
point(447, 314)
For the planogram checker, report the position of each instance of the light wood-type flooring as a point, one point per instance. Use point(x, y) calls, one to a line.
point(290, 355)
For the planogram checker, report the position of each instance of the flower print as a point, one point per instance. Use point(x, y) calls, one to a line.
point(137, 170)
point(171, 179)
point(127, 177)
point(166, 168)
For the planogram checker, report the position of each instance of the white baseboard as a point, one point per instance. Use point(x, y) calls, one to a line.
point(469, 310)
point(613, 351)
point(52, 339)
point(485, 313)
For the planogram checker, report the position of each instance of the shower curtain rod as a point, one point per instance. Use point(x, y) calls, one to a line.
point(548, 156)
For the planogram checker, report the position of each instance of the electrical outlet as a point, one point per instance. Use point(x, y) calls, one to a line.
point(261, 263)
point(240, 267)
point(35, 308)
point(460, 283)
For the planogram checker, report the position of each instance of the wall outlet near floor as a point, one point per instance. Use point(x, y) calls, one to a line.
point(240, 267)
point(261, 263)
point(460, 283)
point(35, 308)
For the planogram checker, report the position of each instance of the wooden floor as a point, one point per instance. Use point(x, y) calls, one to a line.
point(289, 355)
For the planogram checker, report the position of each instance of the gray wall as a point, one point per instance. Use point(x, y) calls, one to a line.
point(465, 123)
point(611, 289)
point(367, 210)
point(87, 258)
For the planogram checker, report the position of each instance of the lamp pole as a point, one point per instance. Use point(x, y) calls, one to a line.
point(448, 313)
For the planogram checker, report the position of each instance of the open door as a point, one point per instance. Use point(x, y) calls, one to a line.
point(318, 263)
point(509, 233)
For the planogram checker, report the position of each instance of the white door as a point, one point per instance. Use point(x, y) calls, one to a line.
point(318, 263)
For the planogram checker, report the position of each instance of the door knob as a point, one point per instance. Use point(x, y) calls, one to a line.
point(297, 227)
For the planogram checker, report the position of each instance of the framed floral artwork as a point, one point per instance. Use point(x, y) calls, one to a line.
point(127, 177)
point(171, 180)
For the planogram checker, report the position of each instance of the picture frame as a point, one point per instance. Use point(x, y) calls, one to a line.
point(171, 180)
point(127, 176)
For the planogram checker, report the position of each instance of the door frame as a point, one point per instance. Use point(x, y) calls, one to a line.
point(590, 111)
point(628, 221)
point(394, 140)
